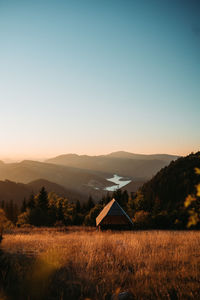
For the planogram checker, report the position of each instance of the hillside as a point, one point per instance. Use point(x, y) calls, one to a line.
point(69, 177)
point(122, 163)
point(133, 186)
point(10, 190)
point(72, 195)
point(168, 189)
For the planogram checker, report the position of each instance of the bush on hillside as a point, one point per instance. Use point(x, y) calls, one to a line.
point(4, 222)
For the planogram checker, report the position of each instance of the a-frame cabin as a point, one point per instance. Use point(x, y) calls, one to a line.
point(113, 216)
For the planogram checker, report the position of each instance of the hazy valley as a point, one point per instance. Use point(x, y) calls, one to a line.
point(77, 177)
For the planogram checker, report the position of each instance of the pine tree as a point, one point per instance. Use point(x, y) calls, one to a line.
point(125, 198)
point(131, 206)
point(31, 201)
point(60, 215)
point(24, 206)
point(90, 203)
point(117, 195)
point(78, 206)
point(43, 199)
point(15, 212)
point(108, 198)
point(3, 204)
point(9, 210)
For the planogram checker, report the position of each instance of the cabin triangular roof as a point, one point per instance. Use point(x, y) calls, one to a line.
point(112, 209)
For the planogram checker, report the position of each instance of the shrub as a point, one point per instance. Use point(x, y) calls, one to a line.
point(23, 219)
point(4, 222)
point(142, 220)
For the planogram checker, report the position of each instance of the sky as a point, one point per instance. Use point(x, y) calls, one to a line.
point(93, 77)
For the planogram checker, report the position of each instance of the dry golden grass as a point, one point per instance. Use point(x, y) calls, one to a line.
point(80, 265)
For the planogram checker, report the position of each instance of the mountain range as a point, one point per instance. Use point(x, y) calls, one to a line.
point(77, 176)
point(123, 163)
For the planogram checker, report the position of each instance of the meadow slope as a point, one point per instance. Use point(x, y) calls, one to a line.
point(48, 264)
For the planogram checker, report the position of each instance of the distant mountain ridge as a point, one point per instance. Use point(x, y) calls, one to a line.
point(124, 154)
point(121, 162)
point(118, 154)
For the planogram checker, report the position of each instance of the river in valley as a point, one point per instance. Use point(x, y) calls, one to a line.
point(118, 183)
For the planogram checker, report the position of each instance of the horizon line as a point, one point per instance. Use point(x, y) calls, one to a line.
point(20, 158)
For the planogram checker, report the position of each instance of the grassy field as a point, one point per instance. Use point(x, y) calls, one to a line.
point(49, 264)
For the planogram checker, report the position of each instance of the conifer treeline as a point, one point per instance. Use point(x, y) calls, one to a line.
point(11, 210)
point(49, 209)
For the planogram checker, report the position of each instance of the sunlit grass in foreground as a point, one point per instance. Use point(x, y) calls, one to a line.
point(150, 264)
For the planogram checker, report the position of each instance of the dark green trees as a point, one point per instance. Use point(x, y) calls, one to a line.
point(163, 197)
point(42, 199)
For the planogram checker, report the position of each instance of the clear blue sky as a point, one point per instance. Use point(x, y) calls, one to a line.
point(99, 76)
